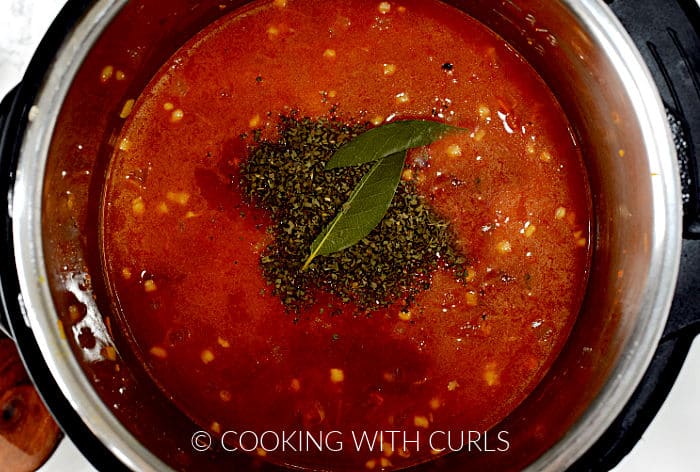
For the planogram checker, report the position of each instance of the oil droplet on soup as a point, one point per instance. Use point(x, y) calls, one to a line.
point(205, 322)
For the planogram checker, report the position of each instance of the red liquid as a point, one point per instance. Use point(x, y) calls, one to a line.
point(182, 246)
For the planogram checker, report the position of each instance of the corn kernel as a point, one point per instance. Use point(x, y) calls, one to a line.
point(545, 156)
point(272, 32)
point(159, 352)
point(206, 356)
point(560, 213)
point(405, 315)
point(332, 94)
point(138, 207)
point(384, 8)
point(420, 422)
point(124, 144)
point(126, 109)
point(181, 198)
point(484, 112)
point(377, 120)
point(109, 353)
point(453, 150)
point(223, 342)
point(254, 122)
point(126, 273)
point(280, 3)
point(329, 53)
point(387, 450)
point(371, 464)
point(61, 329)
point(452, 385)
point(120, 75)
point(149, 286)
point(479, 135)
point(402, 98)
point(472, 298)
point(407, 175)
point(490, 374)
point(504, 247)
point(435, 403)
point(337, 375)
point(106, 73)
point(261, 452)
point(295, 385)
point(401, 9)
point(385, 462)
point(167, 106)
point(621, 153)
point(177, 115)
point(581, 242)
point(225, 396)
point(471, 274)
point(529, 230)
point(74, 313)
point(215, 427)
point(389, 69)
point(530, 148)
point(162, 208)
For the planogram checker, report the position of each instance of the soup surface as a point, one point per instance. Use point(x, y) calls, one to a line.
point(182, 243)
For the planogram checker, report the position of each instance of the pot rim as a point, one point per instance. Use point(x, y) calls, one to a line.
point(38, 310)
point(665, 242)
point(40, 313)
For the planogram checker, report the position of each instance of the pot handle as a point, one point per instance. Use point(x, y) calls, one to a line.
point(8, 278)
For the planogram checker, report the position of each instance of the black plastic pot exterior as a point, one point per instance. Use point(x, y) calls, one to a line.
point(8, 277)
point(682, 326)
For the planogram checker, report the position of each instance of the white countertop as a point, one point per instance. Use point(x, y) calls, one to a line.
point(670, 443)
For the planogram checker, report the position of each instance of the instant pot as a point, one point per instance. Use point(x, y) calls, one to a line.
point(639, 316)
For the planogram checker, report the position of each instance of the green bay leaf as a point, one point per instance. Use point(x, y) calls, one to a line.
point(363, 210)
point(388, 139)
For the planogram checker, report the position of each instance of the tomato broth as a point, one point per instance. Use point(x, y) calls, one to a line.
point(182, 244)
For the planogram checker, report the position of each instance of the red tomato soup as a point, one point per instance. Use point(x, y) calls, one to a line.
point(182, 243)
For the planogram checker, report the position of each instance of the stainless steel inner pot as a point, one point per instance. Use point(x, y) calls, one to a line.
point(577, 46)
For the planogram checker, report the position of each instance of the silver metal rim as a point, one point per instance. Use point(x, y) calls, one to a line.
point(41, 314)
point(665, 243)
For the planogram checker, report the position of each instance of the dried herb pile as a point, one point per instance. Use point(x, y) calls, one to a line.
point(287, 178)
